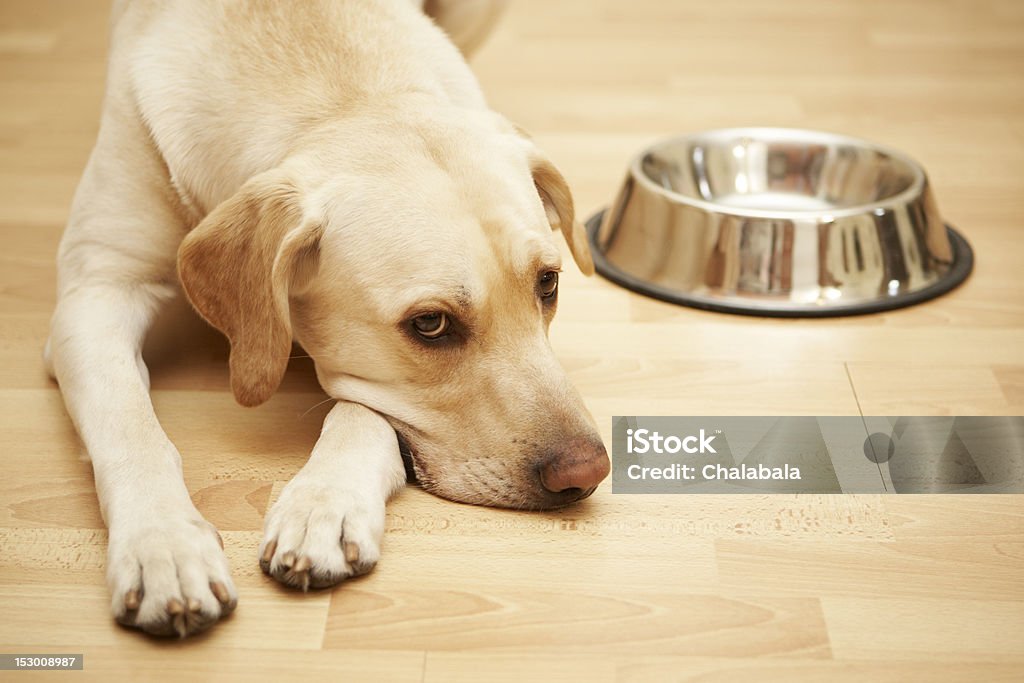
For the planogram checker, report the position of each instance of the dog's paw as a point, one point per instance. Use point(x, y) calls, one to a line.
point(169, 577)
point(317, 536)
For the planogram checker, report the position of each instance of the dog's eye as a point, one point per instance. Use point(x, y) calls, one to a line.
point(431, 325)
point(548, 284)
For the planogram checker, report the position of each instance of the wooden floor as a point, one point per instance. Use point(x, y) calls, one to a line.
point(620, 588)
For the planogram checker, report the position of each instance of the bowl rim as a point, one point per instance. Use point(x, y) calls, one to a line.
point(911, 193)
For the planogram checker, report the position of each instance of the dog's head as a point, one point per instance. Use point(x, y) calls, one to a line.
point(421, 276)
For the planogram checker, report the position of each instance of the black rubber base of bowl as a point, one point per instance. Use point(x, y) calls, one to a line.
point(963, 263)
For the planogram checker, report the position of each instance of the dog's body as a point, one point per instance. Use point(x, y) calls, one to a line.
point(327, 172)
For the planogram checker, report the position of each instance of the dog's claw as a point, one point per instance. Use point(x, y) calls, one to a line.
point(175, 607)
point(351, 553)
point(267, 556)
point(268, 552)
point(131, 600)
point(299, 573)
point(181, 625)
point(288, 559)
point(220, 591)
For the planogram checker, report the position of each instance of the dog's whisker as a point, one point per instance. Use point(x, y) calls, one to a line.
point(314, 407)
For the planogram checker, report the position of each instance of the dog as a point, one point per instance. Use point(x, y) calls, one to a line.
point(328, 173)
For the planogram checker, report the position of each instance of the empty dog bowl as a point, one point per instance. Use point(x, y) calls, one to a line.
point(778, 222)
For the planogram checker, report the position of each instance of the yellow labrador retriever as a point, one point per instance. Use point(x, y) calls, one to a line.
point(325, 172)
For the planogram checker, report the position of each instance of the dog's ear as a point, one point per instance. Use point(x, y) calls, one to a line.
point(554, 194)
point(237, 268)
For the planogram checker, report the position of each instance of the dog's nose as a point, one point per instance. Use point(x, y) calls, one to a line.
point(583, 466)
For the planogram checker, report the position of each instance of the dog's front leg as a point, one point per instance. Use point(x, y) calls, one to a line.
point(166, 570)
point(328, 522)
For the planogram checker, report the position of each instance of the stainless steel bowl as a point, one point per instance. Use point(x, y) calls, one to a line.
point(778, 222)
